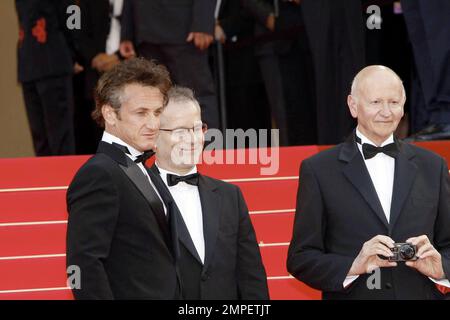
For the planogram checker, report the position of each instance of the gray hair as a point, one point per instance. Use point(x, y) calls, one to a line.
point(182, 94)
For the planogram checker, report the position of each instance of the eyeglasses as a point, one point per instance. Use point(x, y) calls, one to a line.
point(182, 132)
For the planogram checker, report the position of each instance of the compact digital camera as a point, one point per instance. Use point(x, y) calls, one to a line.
point(403, 252)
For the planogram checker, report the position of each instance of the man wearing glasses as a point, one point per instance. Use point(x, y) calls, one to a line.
point(217, 252)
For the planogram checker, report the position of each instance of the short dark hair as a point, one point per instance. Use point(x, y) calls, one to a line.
point(110, 86)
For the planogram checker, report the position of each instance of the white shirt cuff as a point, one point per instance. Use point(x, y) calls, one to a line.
point(443, 282)
point(349, 279)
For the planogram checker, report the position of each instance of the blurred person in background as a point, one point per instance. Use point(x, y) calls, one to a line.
point(45, 56)
point(335, 31)
point(281, 48)
point(176, 34)
point(428, 26)
point(98, 43)
point(247, 106)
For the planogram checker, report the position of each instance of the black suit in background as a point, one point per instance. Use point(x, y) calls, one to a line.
point(117, 232)
point(45, 56)
point(428, 26)
point(338, 210)
point(286, 67)
point(246, 107)
point(335, 31)
point(233, 267)
point(90, 40)
point(159, 30)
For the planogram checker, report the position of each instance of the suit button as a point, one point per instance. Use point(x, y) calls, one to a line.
point(388, 285)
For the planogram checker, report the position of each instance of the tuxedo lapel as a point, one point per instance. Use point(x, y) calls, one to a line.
point(183, 235)
point(141, 182)
point(356, 172)
point(177, 219)
point(113, 152)
point(211, 204)
point(405, 173)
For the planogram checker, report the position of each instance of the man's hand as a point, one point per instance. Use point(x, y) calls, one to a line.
point(126, 49)
point(103, 62)
point(270, 22)
point(201, 40)
point(430, 260)
point(219, 34)
point(368, 260)
point(77, 68)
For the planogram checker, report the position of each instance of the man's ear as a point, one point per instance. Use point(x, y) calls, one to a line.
point(109, 114)
point(352, 105)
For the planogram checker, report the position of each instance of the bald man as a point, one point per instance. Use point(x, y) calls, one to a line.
point(360, 197)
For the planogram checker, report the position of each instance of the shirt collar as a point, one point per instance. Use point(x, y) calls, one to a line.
point(364, 139)
point(110, 138)
point(164, 172)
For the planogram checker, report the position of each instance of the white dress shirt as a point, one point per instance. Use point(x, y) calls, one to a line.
point(187, 198)
point(381, 170)
point(113, 40)
point(109, 138)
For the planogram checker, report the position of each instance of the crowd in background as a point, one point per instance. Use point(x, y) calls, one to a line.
point(285, 64)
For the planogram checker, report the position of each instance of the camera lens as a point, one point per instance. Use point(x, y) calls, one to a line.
point(407, 251)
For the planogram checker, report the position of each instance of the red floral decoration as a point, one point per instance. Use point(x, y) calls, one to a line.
point(39, 31)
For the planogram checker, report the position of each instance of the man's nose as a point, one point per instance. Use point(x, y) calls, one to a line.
point(152, 123)
point(385, 110)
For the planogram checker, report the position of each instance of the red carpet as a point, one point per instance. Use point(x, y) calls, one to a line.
point(33, 220)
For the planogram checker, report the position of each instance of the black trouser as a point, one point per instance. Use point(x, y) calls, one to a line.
point(87, 133)
point(188, 67)
point(428, 23)
point(49, 105)
point(335, 31)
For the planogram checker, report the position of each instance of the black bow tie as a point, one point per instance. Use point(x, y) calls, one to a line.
point(140, 158)
point(191, 179)
point(371, 151)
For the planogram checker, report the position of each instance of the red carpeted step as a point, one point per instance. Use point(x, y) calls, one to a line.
point(280, 289)
point(32, 206)
point(33, 273)
point(50, 238)
point(39, 172)
point(288, 165)
point(440, 147)
point(55, 294)
point(51, 205)
point(33, 240)
point(59, 171)
point(274, 260)
point(270, 195)
point(273, 227)
point(292, 289)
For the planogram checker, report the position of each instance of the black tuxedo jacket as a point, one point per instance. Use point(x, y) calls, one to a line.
point(338, 210)
point(166, 21)
point(117, 232)
point(46, 46)
point(233, 267)
point(288, 25)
